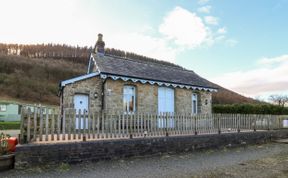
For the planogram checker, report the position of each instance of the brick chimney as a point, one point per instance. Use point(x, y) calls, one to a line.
point(99, 47)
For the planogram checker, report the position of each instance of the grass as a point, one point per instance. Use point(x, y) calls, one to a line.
point(10, 125)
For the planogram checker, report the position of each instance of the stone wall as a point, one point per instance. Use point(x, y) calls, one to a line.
point(205, 102)
point(37, 154)
point(146, 96)
point(89, 87)
point(183, 100)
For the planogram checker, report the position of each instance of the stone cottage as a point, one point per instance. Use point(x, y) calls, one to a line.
point(133, 85)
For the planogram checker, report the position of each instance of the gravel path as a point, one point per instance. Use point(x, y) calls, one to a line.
point(268, 160)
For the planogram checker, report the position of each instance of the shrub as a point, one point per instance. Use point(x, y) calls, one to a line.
point(250, 109)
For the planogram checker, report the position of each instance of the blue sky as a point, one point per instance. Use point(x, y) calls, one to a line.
point(241, 45)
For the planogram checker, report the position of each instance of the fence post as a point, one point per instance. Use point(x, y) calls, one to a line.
point(219, 124)
point(28, 125)
point(130, 125)
point(166, 128)
point(52, 124)
point(64, 125)
point(35, 123)
point(254, 125)
point(46, 123)
point(238, 122)
point(195, 120)
point(41, 123)
point(268, 121)
point(279, 122)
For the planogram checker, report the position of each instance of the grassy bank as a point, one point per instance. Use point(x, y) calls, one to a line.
point(9, 125)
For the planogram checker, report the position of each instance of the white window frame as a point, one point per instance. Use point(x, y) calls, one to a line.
point(132, 93)
point(3, 107)
point(194, 101)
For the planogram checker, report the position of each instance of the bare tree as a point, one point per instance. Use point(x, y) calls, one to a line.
point(280, 100)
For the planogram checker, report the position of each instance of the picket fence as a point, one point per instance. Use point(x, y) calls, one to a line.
point(43, 125)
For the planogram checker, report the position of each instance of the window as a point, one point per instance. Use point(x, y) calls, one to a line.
point(3, 107)
point(129, 99)
point(194, 103)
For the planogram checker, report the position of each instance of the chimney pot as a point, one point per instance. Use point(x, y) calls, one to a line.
point(100, 45)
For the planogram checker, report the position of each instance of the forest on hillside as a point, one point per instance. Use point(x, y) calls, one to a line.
point(69, 53)
point(32, 72)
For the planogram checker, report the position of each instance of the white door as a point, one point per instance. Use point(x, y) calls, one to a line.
point(81, 103)
point(165, 105)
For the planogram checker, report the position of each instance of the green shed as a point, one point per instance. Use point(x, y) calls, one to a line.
point(9, 111)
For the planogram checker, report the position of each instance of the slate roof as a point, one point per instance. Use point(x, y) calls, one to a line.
point(148, 70)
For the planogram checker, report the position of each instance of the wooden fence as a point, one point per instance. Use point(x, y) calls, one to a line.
point(41, 126)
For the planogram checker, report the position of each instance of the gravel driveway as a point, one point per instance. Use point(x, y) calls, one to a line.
point(268, 160)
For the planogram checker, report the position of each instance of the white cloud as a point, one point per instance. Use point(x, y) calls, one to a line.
point(201, 2)
point(263, 80)
point(222, 30)
point(204, 9)
point(211, 20)
point(143, 44)
point(283, 58)
point(49, 22)
point(185, 28)
point(231, 42)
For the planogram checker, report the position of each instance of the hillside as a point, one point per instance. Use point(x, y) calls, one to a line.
point(34, 77)
point(225, 96)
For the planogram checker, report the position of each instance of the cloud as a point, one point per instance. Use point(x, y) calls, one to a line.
point(201, 2)
point(184, 28)
point(268, 77)
point(222, 30)
point(204, 9)
point(211, 20)
point(146, 45)
point(283, 58)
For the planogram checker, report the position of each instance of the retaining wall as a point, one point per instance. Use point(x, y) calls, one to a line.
point(33, 154)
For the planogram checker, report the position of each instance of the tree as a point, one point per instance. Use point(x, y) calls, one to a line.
point(280, 100)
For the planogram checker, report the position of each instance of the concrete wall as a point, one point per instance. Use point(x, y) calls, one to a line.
point(146, 96)
point(29, 155)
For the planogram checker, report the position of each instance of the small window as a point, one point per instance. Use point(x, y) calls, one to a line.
point(3, 107)
point(129, 99)
point(194, 103)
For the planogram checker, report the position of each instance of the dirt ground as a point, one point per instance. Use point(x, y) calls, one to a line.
point(267, 167)
point(257, 161)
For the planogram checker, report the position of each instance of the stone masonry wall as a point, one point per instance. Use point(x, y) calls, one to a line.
point(37, 154)
point(146, 96)
point(183, 100)
point(205, 102)
point(89, 87)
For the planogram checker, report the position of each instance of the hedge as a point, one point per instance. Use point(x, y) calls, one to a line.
point(9, 125)
point(250, 109)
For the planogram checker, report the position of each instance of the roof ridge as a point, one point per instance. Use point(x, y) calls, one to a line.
point(147, 62)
